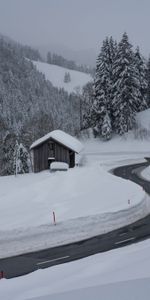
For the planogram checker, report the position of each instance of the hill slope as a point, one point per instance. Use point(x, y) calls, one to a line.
point(56, 74)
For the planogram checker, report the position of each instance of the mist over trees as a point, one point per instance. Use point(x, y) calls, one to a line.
point(55, 59)
point(121, 88)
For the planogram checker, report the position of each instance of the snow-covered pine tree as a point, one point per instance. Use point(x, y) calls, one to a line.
point(7, 149)
point(125, 89)
point(49, 58)
point(106, 128)
point(22, 162)
point(16, 161)
point(148, 79)
point(87, 102)
point(103, 83)
point(67, 77)
point(141, 76)
point(98, 112)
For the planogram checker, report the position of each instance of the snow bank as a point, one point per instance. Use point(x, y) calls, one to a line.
point(31, 239)
point(119, 274)
point(57, 166)
point(87, 198)
point(146, 173)
point(56, 74)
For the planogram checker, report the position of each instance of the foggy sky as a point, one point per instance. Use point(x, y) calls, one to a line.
point(77, 24)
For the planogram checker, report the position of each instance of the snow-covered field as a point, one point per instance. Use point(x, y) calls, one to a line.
point(89, 201)
point(88, 197)
point(56, 74)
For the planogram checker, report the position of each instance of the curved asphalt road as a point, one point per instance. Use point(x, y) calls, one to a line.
point(140, 230)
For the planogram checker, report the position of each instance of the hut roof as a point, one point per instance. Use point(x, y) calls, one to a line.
point(62, 138)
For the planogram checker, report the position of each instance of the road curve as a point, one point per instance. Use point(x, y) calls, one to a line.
point(138, 231)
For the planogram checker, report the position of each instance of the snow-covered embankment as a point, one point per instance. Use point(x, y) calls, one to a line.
point(89, 202)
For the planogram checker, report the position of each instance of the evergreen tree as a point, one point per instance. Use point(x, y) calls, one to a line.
point(125, 89)
point(7, 147)
point(148, 79)
point(21, 158)
point(67, 77)
point(49, 58)
point(103, 84)
point(87, 102)
point(141, 76)
point(106, 128)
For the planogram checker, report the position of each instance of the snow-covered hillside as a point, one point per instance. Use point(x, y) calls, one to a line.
point(56, 74)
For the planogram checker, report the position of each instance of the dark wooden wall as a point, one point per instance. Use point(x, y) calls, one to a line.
point(62, 153)
point(40, 158)
point(41, 154)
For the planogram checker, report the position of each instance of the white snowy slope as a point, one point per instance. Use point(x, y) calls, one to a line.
point(119, 274)
point(56, 74)
point(86, 197)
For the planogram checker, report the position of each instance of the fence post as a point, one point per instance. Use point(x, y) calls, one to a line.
point(54, 218)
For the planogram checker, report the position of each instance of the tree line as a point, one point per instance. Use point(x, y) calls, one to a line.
point(55, 59)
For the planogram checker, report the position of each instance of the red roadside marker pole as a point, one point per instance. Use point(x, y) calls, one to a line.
point(54, 218)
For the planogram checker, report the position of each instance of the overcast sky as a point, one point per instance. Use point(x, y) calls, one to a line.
point(77, 24)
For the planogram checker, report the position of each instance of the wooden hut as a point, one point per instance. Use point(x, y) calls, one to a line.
point(55, 146)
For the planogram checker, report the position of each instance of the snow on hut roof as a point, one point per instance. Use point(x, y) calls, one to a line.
point(62, 138)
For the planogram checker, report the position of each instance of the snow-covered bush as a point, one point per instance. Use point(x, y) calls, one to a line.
point(22, 163)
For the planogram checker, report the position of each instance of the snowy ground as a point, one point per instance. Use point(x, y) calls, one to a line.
point(146, 173)
point(56, 74)
point(27, 203)
point(119, 274)
point(87, 203)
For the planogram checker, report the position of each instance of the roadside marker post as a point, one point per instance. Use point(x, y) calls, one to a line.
point(54, 218)
point(129, 201)
point(1, 274)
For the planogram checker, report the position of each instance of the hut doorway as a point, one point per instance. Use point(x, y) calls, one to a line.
point(72, 159)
